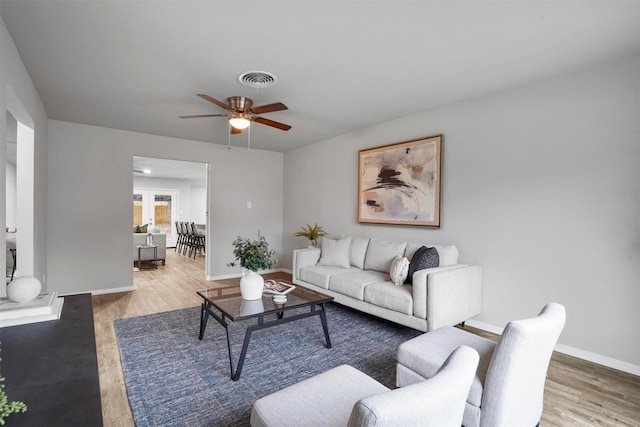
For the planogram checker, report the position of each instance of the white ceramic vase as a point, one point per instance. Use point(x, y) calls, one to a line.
point(251, 285)
point(23, 289)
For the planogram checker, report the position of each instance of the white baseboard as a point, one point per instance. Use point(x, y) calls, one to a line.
point(110, 290)
point(571, 351)
point(484, 326)
point(236, 275)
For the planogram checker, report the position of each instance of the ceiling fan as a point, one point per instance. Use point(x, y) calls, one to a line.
point(242, 112)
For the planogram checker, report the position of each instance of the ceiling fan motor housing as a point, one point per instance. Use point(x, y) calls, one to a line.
point(240, 103)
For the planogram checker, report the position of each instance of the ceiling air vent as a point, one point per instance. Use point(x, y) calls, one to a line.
point(257, 79)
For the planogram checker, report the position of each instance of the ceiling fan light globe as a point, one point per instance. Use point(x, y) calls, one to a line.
point(239, 122)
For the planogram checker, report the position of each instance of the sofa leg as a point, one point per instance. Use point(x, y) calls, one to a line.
point(461, 324)
point(164, 261)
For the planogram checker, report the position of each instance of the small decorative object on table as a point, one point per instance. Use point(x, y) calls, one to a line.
point(279, 300)
point(277, 288)
point(311, 233)
point(253, 256)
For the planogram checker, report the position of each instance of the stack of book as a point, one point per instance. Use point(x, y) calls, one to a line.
point(46, 306)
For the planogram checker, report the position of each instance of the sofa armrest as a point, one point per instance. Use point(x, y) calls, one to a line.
point(447, 295)
point(304, 258)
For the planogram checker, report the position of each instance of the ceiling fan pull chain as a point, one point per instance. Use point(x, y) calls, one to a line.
point(249, 139)
point(229, 135)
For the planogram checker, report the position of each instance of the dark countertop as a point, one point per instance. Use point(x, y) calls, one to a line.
point(52, 367)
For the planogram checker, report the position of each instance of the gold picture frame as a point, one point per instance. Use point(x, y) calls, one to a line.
point(401, 183)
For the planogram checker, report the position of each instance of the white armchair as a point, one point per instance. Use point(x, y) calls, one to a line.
point(509, 386)
point(344, 396)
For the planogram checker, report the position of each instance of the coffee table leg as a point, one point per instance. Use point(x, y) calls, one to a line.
point(204, 316)
point(316, 310)
point(325, 327)
point(235, 376)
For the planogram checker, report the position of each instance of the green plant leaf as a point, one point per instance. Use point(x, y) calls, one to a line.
point(254, 255)
point(311, 233)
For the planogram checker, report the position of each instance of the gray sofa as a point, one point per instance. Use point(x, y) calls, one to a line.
point(442, 296)
point(159, 239)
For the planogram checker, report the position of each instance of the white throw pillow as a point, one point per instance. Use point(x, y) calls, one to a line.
point(399, 270)
point(335, 252)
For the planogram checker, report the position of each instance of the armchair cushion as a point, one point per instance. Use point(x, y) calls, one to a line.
point(438, 402)
point(438, 345)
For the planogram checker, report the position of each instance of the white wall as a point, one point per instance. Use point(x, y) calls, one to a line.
point(11, 138)
point(541, 186)
point(10, 196)
point(89, 201)
point(19, 96)
point(198, 205)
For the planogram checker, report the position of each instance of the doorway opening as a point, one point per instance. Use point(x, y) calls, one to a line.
point(19, 190)
point(167, 193)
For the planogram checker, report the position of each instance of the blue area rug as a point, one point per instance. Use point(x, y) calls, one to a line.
point(174, 379)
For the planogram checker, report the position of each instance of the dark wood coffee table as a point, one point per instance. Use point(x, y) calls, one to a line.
point(226, 305)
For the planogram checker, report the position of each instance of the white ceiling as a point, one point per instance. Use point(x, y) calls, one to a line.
point(342, 65)
point(172, 169)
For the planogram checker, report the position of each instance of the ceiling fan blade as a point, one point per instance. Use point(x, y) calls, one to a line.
point(234, 130)
point(215, 101)
point(204, 115)
point(278, 106)
point(271, 123)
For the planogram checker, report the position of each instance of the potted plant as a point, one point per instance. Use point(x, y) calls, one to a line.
point(253, 255)
point(7, 408)
point(311, 233)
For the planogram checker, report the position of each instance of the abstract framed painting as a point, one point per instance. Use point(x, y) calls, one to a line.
point(400, 183)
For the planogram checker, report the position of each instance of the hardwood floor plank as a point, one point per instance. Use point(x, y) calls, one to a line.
point(577, 392)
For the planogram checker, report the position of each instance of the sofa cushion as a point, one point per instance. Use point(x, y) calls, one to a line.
point(353, 284)
point(399, 270)
point(448, 253)
point(380, 253)
point(387, 295)
point(319, 275)
point(358, 251)
point(423, 258)
point(335, 252)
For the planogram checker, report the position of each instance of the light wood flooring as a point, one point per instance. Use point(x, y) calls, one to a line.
point(577, 392)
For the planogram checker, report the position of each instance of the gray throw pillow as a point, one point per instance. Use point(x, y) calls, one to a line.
point(335, 252)
point(423, 258)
